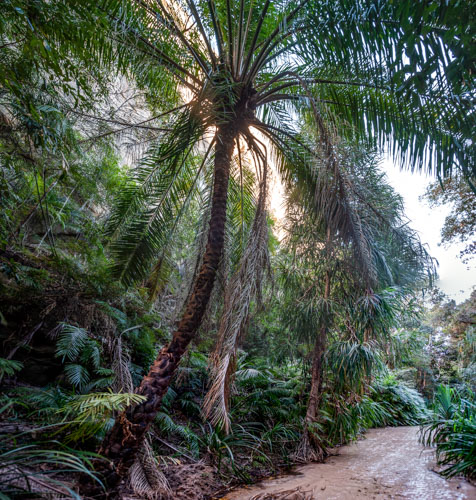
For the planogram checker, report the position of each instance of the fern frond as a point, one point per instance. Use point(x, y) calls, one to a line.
point(9, 367)
point(71, 340)
point(77, 375)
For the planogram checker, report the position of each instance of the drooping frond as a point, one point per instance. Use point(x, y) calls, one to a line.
point(352, 361)
point(88, 414)
point(154, 200)
point(71, 340)
point(409, 59)
point(240, 291)
point(145, 477)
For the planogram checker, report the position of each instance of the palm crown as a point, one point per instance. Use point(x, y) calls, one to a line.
point(258, 68)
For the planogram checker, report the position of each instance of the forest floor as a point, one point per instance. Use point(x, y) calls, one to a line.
point(388, 463)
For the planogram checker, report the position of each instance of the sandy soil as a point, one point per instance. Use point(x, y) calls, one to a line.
point(389, 463)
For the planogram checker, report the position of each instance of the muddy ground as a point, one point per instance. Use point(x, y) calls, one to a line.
point(389, 464)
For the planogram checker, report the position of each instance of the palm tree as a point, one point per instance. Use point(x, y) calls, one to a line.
point(247, 71)
point(357, 242)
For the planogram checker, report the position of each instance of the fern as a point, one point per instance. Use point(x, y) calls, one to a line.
point(77, 375)
point(91, 354)
point(71, 341)
point(9, 367)
point(167, 425)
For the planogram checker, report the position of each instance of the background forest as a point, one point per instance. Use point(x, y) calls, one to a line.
point(140, 147)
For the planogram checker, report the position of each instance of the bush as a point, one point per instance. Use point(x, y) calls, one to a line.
point(452, 429)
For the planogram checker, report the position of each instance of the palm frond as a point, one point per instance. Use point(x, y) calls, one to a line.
point(151, 205)
point(238, 295)
point(71, 341)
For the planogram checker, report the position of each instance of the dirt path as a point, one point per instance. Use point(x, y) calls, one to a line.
point(389, 463)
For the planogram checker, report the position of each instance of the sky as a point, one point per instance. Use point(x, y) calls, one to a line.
point(455, 278)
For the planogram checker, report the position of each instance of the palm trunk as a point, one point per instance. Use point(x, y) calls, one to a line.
point(309, 448)
point(123, 442)
point(316, 376)
point(319, 349)
point(318, 356)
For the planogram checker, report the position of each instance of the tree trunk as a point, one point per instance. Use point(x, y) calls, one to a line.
point(309, 448)
point(316, 373)
point(123, 442)
point(316, 376)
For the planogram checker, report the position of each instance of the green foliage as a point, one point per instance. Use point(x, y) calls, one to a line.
point(452, 429)
point(9, 367)
point(76, 345)
point(79, 212)
point(71, 342)
point(37, 468)
point(166, 424)
point(460, 224)
point(90, 415)
point(387, 403)
point(221, 445)
point(403, 405)
point(21, 466)
point(351, 362)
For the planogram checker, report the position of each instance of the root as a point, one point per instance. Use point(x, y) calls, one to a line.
point(309, 450)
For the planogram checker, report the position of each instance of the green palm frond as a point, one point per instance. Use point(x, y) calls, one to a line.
point(77, 375)
point(25, 473)
point(9, 367)
point(98, 404)
point(351, 362)
point(189, 438)
point(71, 341)
point(451, 428)
point(90, 414)
point(356, 80)
point(151, 205)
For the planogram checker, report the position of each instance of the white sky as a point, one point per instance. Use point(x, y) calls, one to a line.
point(455, 278)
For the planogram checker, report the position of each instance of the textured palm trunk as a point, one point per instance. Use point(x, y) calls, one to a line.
point(123, 442)
point(309, 448)
point(316, 376)
point(317, 361)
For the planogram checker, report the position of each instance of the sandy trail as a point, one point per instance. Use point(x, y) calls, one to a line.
point(389, 463)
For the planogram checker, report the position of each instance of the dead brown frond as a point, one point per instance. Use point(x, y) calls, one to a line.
point(294, 494)
point(241, 289)
point(145, 477)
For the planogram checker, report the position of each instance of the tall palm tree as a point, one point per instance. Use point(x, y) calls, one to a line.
point(357, 242)
point(246, 71)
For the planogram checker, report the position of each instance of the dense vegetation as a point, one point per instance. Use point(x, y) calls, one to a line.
point(139, 145)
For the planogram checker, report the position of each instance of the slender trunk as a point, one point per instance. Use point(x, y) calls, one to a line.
point(316, 376)
point(317, 361)
point(123, 442)
point(310, 448)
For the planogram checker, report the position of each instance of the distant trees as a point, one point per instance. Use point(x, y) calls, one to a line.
point(460, 223)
